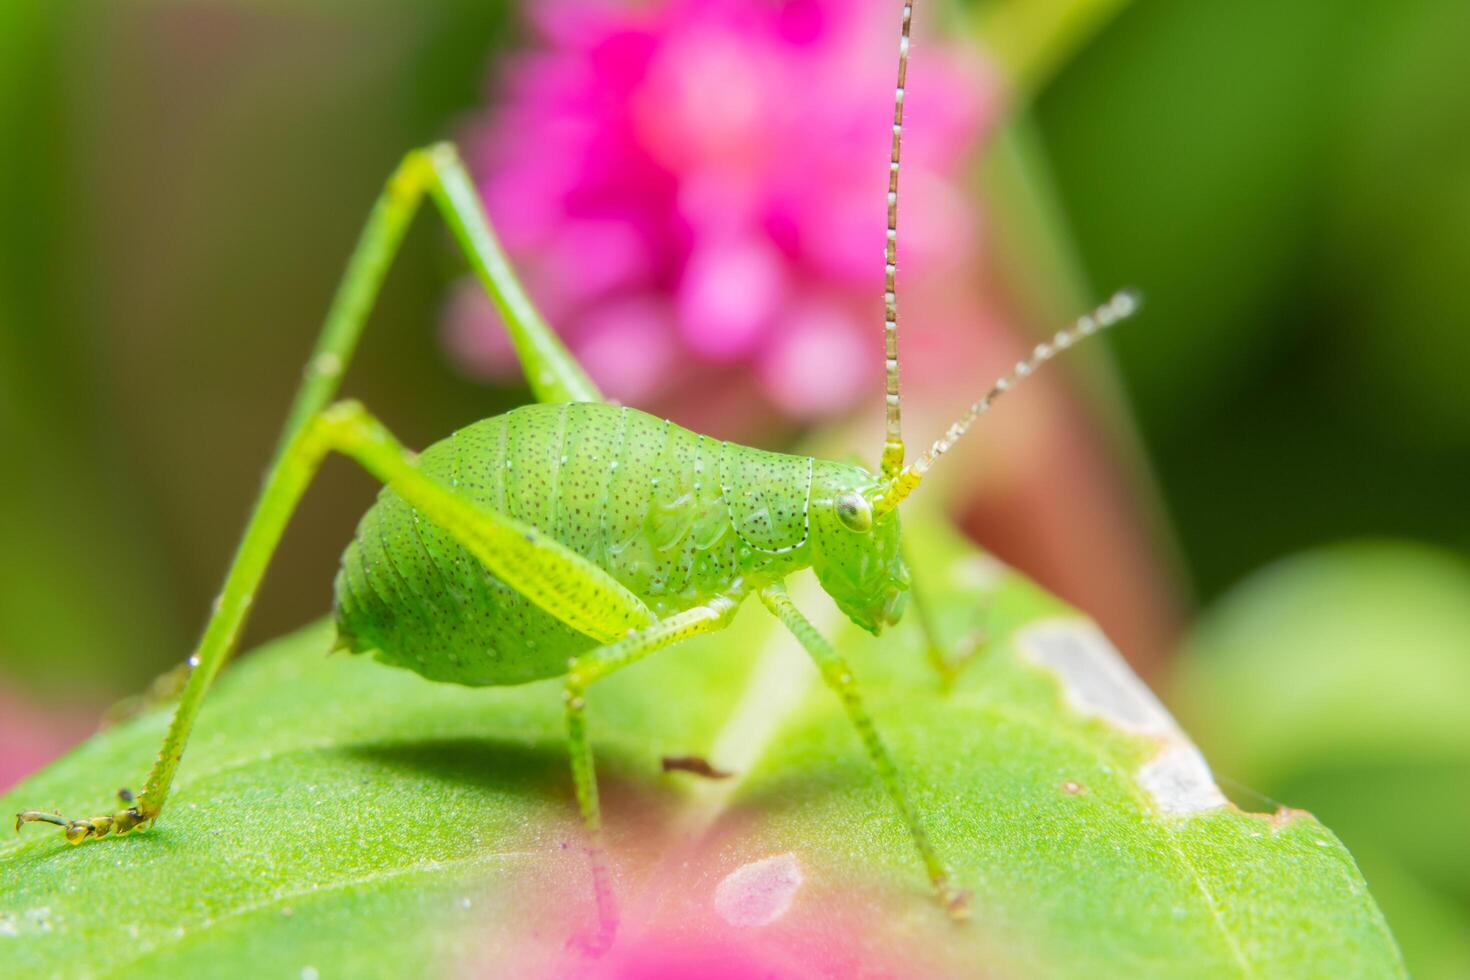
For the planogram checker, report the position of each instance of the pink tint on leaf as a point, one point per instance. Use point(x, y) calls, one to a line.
point(726, 161)
point(717, 904)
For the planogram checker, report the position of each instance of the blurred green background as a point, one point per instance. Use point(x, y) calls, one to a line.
point(1289, 183)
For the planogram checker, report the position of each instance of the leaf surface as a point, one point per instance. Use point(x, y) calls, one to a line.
point(334, 817)
point(1336, 678)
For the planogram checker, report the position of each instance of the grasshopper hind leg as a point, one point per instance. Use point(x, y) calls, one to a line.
point(566, 585)
point(132, 817)
point(553, 374)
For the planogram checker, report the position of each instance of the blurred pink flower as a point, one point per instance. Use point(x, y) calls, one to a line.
point(693, 191)
point(31, 735)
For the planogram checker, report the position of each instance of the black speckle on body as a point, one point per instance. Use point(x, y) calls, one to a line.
point(674, 516)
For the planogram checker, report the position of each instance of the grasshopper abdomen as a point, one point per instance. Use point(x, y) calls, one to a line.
point(676, 517)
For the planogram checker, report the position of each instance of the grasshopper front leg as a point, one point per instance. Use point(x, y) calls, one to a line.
point(839, 678)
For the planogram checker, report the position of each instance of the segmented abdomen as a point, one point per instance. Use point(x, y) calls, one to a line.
point(675, 516)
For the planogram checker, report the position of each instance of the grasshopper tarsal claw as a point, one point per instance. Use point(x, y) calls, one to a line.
point(956, 903)
point(77, 831)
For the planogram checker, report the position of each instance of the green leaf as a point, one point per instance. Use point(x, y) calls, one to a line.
point(337, 818)
point(1337, 679)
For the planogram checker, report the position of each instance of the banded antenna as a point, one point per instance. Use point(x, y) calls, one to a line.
point(893, 443)
point(1121, 306)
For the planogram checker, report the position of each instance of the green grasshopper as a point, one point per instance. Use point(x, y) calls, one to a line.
point(571, 537)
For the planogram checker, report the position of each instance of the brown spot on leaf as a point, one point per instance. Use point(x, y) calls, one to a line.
point(1285, 815)
point(696, 765)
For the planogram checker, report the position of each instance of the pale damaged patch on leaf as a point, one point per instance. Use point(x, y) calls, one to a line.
point(1179, 780)
point(1098, 683)
point(759, 893)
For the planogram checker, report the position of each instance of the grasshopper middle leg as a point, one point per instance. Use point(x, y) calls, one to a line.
point(582, 672)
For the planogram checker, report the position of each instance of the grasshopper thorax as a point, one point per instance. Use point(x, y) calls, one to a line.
point(855, 551)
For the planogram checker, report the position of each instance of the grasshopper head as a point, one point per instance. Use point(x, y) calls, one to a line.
point(855, 552)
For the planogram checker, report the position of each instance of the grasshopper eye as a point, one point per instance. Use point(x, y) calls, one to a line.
point(854, 511)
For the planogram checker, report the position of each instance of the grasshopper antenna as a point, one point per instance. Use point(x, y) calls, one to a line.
point(893, 442)
point(1122, 305)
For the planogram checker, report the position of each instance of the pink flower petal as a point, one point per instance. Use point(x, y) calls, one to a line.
point(628, 346)
point(730, 292)
point(730, 158)
point(821, 359)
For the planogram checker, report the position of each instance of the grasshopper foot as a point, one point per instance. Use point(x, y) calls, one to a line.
point(127, 820)
point(949, 664)
point(956, 902)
